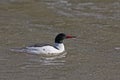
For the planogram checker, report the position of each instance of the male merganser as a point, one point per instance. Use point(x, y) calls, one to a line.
point(57, 48)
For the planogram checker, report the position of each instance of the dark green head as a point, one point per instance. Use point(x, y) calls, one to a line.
point(60, 37)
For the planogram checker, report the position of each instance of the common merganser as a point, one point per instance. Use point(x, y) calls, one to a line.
point(57, 48)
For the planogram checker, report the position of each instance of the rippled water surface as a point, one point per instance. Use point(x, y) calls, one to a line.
point(94, 55)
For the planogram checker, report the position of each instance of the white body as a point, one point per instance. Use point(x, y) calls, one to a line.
point(56, 49)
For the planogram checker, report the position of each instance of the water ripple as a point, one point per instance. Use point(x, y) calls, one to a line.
point(86, 9)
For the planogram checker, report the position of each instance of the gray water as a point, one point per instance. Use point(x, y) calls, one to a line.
point(94, 55)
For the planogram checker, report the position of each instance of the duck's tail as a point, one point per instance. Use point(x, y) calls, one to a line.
point(18, 49)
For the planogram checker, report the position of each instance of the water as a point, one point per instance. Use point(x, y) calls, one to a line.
point(94, 55)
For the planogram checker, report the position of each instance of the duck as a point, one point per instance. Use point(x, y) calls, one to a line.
point(57, 48)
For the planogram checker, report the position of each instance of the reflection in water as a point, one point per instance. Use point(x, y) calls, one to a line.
point(36, 63)
point(45, 60)
point(49, 61)
point(117, 48)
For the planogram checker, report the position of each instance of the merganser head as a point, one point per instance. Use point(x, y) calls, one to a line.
point(60, 37)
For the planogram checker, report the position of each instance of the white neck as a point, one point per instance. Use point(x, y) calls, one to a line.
point(59, 46)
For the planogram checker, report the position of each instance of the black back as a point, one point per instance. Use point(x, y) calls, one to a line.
point(39, 45)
